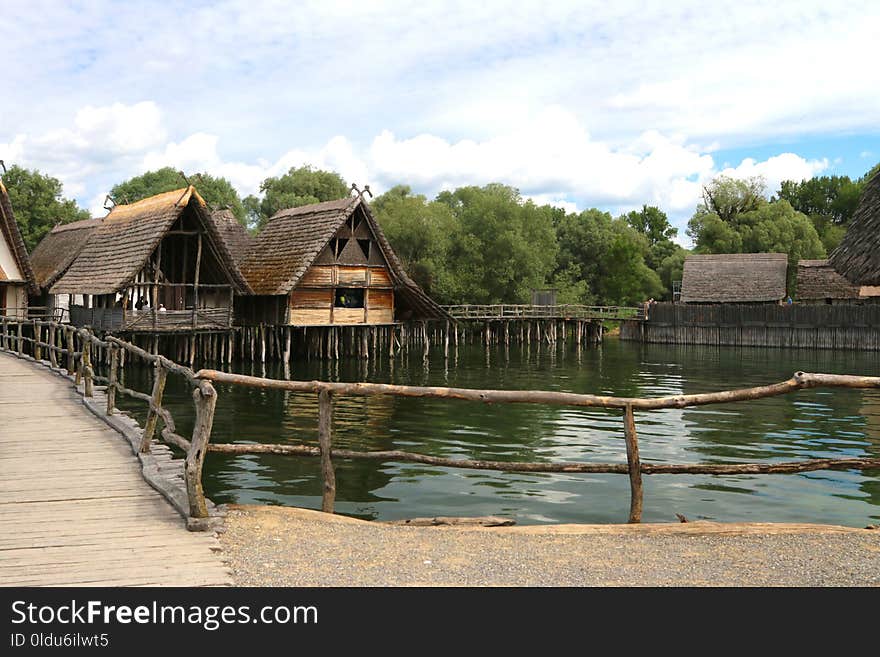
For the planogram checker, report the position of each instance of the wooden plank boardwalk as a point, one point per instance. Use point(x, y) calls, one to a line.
point(74, 507)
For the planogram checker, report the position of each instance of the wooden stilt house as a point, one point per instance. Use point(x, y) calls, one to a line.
point(156, 265)
point(16, 275)
point(52, 258)
point(328, 264)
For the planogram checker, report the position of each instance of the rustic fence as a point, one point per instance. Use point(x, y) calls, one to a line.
point(527, 311)
point(854, 326)
point(204, 394)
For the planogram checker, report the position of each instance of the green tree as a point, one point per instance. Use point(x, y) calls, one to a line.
point(420, 233)
point(217, 192)
point(653, 223)
point(504, 247)
point(728, 197)
point(299, 186)
point(37, 203)
point(833, 198)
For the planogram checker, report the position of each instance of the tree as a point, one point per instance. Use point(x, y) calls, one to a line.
point(653, 223)
point(420, 234)
point(503, 248)
point(728, 197)
point(217, 192)
point(302, 186)
point(602, 260)
point(834, 198)
point(37, 203)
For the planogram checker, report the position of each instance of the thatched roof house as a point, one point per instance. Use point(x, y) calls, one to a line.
point(734, 278)
point(234, 235)
point(858, 256)
point(165, 250)
point(16, 275)
point(329, 263)
point(58, 249)
point(818, 282)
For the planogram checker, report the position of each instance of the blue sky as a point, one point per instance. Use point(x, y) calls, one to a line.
point(580, 104)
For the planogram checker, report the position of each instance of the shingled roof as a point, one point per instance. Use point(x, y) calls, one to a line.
point(858, 256)
point(12, 235)
point(292, 239)
point(57, 250)
point(817, 279)
point(233, 234)
point(734, 278)
point(121, 245)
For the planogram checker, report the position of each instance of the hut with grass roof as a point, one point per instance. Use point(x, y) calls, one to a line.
point(16, 274)
point(819, 283)
point(742, 278)
point(159, 264)
point(328, 264)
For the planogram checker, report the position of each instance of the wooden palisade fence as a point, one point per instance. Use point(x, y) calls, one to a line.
point(205, 400)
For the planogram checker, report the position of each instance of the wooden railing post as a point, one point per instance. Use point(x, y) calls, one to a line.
point(325, 439)
point(20, 339)
point(161, 374)
point(635, 466)
point(53, 357)
point(4, 338)
point(71, 359)
point(38, 351)
point(86, 366)
point(205, 399)
point(111, 383)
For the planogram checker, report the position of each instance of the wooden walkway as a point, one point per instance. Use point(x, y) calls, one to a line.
point(74, 507)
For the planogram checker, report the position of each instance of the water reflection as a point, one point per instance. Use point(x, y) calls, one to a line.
point(813, 423)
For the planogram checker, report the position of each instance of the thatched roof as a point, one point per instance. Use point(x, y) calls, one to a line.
point(57, 250)
point(292, 240)
point(817, 279)
point(124, 241)
point(10, 232)
point(233, 234)
point(858, 256)
point(734, 278)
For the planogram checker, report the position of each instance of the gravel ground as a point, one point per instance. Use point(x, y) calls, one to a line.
point(276, 546)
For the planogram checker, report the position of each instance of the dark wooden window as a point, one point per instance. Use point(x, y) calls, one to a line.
point(348, 297)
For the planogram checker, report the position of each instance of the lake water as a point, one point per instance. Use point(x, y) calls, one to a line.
point(814, 423)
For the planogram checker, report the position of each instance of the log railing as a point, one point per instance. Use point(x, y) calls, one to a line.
point(527, 311)
point(205, 400)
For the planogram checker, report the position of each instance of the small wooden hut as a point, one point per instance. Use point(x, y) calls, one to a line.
point(156, 265)
point(858, 256)
point(752, 278)
point(328, 264)
point(819, 283)
point(16, 275)
point(52, 258)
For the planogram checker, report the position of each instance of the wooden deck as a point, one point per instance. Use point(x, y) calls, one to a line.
point(74, 507)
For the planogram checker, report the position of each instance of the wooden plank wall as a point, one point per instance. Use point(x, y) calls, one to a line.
point(742, 325)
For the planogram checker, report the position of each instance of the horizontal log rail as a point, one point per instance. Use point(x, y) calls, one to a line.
point(528, 311)
point(205, 399)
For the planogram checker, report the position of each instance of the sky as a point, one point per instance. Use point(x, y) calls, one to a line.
point(578, 104)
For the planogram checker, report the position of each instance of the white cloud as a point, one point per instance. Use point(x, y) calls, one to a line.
point(785, 166)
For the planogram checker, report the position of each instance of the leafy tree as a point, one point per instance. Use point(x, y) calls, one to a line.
point(37, 203)
point(420, 233)
point(217, 192)
point(833, 198)
point(299, 186)
point(670, 270)
point(728, 197)
point(653, 223)
point(504, 247)
point(602, 260)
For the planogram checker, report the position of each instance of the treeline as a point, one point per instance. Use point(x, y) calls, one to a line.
point(489, 245)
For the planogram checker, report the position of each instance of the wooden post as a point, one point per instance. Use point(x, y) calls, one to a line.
point(20, 340)
point(161, 375)
point(71, 360)
point(155, 294)
point(205, 400)
point(4, 339)
point(53, 358)
point(87, 367)
point(111, 385)
point(196, 280)
point(38, 350)
point(635, 466)
point(325, 438)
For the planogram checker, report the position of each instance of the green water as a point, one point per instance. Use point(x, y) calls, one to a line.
point(815, 423)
